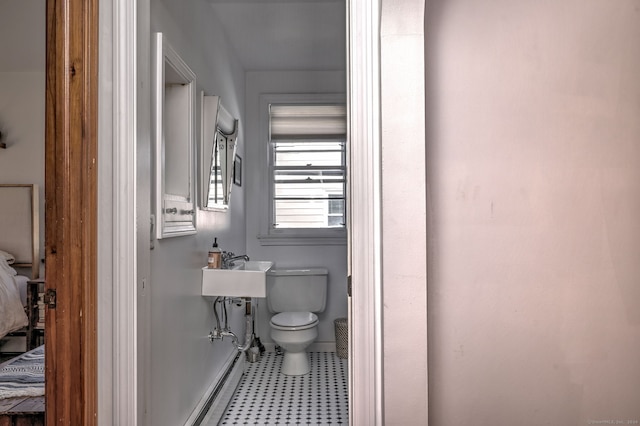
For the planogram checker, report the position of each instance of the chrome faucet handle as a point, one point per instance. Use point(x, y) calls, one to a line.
point(229, 259)
point(226, 256)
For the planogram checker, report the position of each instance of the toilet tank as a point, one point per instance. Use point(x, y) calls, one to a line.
point(297, 290)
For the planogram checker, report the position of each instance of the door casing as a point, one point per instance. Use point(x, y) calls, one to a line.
point(365, 312)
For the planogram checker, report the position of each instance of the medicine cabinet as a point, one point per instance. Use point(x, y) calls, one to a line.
point(219, 143)
point(174, 141)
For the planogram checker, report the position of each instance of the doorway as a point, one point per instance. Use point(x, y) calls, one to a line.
point(362, 336)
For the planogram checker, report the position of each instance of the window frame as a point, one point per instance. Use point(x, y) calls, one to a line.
point(269, 235)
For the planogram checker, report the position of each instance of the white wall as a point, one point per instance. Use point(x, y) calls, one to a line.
point(183, 362)
point(534, 198)
point(404, 271)
point(333, 257)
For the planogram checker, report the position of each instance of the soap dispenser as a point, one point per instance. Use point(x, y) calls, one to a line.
point(215, 256)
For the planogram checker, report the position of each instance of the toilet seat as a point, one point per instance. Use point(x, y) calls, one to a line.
point(294, 321)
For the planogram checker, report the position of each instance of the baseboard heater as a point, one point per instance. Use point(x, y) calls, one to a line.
point(212, 405)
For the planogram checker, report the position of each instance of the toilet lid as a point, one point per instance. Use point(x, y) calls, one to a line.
point(294, 319)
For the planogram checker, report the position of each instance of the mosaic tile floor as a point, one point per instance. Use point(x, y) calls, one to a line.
point(266, 397)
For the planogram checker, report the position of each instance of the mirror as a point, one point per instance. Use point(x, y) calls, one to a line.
point(219, 142)
point(174, 142)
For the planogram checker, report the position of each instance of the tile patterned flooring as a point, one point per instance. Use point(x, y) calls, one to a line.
point(266, 397)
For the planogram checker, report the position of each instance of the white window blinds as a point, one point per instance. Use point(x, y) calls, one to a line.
point(307, 122)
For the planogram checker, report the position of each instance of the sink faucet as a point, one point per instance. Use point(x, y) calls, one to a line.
point(229, 259)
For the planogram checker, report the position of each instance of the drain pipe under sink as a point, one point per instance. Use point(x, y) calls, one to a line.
point(248, 329)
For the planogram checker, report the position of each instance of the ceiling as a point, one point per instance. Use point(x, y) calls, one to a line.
point(285, 34)
point(266, 35)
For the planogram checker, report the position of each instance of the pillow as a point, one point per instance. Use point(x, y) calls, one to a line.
point(7, 256)
point(4, 264)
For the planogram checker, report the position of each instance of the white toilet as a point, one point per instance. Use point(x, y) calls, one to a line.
point(294, 295)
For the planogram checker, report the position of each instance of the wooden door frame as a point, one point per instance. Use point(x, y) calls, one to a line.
point(71, 211)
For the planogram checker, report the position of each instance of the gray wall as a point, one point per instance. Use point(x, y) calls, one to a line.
point(22, 82)
point(22, 127)
point(533, 170)
point(183, 363)
point(22, 35)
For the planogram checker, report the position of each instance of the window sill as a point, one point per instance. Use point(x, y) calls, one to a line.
point(338, 239)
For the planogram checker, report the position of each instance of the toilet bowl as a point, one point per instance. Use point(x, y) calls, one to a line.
point(293, 295)
point(294, 332)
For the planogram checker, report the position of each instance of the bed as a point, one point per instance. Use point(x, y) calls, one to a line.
point(19, 267)
point(13, 316)
point(21, 313)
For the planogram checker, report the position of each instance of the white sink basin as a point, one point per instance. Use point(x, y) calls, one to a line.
point(248, 279)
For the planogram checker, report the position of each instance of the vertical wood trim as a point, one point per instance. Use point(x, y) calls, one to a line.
point(70, 212)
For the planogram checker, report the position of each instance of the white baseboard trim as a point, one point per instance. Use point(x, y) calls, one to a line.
point(314, 347)
point(211, 406)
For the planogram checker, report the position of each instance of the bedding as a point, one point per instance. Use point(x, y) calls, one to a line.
point(24, 375)
point(7, 256)
point(12, 315)
point(21, 283)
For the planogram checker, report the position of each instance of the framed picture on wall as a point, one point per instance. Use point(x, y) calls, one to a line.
point(237, 171)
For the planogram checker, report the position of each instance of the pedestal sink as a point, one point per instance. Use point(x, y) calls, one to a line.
point(248, 279)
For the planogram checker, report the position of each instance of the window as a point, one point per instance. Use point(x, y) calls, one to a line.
point(307, 170)
point(308, 180)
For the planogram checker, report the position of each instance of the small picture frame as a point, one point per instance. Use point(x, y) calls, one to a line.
point(237, 171)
